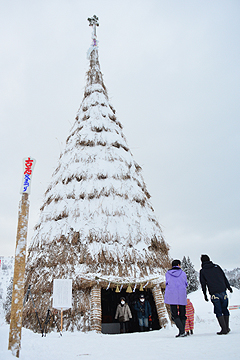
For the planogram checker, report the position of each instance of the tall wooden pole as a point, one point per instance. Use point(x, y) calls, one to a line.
point(15, 331)
point(18, 280)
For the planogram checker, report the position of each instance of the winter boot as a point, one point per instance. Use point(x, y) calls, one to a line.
point(183, 335)
point(141, 328)
point(224, 329)
point(183, 324)
point(191, 331)
point(188, 333)
point(180, 327)
point(226, 318)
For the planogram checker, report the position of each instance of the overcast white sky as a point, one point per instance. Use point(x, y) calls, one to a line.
point(172, 70)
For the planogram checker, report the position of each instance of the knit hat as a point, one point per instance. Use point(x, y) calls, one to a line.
point(176, 263)
point(141, 296)
point(205, 258)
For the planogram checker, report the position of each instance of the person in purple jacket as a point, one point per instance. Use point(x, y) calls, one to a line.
point(176, 295)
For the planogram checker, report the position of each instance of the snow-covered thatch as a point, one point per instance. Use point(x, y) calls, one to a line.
point(96, 221)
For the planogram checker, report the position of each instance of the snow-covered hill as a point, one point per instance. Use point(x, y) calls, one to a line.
point(233, 277)
point(162, 344)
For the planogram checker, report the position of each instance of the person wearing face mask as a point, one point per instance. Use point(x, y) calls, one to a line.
point(123, 314)
point(143, 309)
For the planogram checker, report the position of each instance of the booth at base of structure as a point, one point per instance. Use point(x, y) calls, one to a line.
point(113, 327)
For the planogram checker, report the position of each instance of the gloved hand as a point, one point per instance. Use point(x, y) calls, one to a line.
point(230, 289)
point(205, 297)
point(150, 318)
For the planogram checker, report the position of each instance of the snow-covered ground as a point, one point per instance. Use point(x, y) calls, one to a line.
point(162, 344)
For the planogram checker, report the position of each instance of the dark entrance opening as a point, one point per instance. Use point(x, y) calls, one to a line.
point(110, 299)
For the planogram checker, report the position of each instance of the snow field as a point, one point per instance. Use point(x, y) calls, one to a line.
point(162, 344)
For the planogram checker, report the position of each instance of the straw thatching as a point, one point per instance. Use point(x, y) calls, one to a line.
point(97, 225)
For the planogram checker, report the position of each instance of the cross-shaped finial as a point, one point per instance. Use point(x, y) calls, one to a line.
point(93, 21)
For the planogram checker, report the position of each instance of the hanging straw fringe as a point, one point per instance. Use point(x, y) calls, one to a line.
point(129, 289)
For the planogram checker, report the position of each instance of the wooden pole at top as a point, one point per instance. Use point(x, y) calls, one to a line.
point(93, 21)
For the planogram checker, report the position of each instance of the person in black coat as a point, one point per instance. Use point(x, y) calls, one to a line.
point(143, 309)
point(213, 278)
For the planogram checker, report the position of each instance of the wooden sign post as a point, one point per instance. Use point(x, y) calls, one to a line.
point(20, 258)
point(62, 296)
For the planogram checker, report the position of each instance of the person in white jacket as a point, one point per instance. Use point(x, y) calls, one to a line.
point(123, 314)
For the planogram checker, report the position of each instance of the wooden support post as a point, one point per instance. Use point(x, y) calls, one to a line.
point(160, 306)
point(61, 320)
point(15, 331)
point(96, 309)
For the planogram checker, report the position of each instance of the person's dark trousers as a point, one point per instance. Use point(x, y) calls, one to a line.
point(178, 313)
point(124, 327)
point(220, 303)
